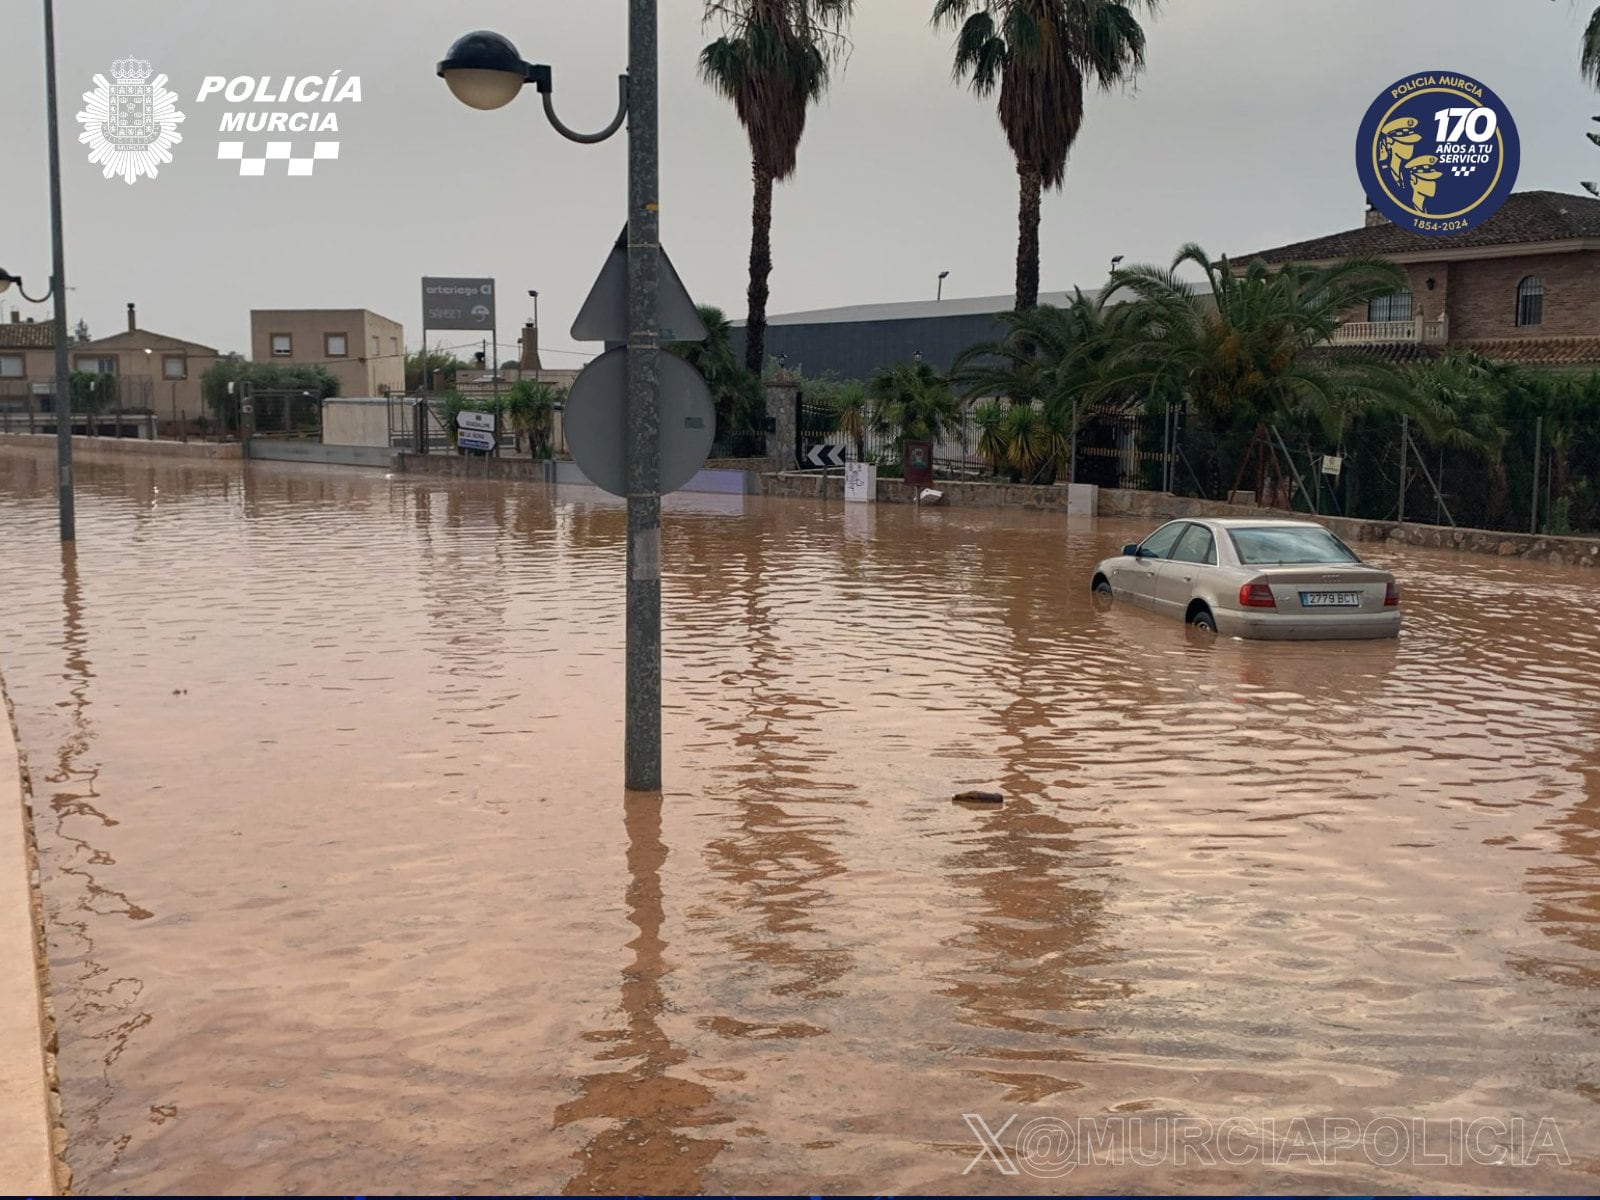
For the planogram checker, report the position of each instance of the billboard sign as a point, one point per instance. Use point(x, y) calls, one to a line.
point(457, 303)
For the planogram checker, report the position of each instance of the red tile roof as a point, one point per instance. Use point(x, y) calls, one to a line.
point(27, 335)
point(1526, 217)
point(1537, 352)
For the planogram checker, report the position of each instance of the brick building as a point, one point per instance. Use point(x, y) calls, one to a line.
point(1523, 287)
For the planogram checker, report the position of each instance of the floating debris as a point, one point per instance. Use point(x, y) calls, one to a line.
point(987, 799)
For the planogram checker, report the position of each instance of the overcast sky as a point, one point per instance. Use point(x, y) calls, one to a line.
point(1240, 135)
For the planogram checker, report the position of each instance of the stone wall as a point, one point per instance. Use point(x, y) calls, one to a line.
point(87, 447)
point(1156, 507)
point(816, 485)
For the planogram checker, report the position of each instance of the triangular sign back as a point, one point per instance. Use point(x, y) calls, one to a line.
point(604, 315)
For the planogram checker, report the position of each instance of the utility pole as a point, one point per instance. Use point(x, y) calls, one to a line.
point(642, 705)
point(58, 276)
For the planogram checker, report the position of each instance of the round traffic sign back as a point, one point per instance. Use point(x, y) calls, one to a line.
point(596, 421)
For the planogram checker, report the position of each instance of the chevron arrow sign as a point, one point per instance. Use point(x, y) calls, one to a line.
point(827, 454)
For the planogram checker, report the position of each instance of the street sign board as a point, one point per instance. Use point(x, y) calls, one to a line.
point(1332, 464)
point(604, 315)
point(469, 419)
point(457, 303)
point(916, 465)
point(825, 454)
point(474, 439)
point(596, 421)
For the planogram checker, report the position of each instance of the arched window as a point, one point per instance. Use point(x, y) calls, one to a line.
point(1396, 306)
point(1530, 301)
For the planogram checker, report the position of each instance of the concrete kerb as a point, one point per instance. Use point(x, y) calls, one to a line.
point(32, 1135)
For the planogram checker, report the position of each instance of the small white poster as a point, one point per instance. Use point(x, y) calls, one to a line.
point(860, 482)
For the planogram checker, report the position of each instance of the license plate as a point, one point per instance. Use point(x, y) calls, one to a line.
point(1330, 599)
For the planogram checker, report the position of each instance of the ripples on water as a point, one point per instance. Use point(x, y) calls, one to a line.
point(345, 895)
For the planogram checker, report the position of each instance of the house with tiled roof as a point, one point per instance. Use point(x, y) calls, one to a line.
point(27, 353)
point(155, 372)
point(1523, 287)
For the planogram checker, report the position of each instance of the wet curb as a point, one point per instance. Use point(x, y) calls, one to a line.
point(32, 1136)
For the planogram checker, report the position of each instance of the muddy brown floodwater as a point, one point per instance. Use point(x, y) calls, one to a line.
point(345, 895)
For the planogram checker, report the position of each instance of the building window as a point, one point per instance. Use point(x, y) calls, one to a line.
point(174, 366)
point(98, 366)
point(335, 345)
point(282, 345)
point(1396, 306)
point(1530, 301)
point(376, 346)
point(10, 366)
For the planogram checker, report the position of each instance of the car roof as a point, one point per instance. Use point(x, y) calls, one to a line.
point(1253, 523)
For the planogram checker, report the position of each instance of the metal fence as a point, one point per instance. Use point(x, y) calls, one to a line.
point(1538, 479)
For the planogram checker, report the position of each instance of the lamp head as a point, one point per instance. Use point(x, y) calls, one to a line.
point(483, 70)
point(7, 279)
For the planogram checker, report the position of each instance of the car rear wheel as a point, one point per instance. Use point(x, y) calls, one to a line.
point(1203, 620)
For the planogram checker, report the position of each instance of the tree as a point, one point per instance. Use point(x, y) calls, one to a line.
point(773, 62)
point(263, 378)
point(530, 410)
point(1256, 343)
point(735, 391)
point(1590, 50)
point(92, 392)
point(916, 402)
point(1039, 54)
point(442, 365)
point(1049, 356)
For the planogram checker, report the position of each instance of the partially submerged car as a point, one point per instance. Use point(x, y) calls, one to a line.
point(1254, 579)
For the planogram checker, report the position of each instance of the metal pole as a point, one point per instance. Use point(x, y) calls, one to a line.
point(642, 710)
point(58, 284)
point(1538, 439)
point(1405, 436)
point(1072, 471)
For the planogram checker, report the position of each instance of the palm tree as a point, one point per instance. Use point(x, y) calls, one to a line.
point(773, 61)
point(1256, 343)
point(529, 409)
point(1591, 50)
point(854, 415)
point(1049, 355)
point(735, 391)
point(915, 401)
point(1040, 53)
point(1253, 351)
point(989, 419)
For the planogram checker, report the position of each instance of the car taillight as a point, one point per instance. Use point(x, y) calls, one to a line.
point(1256, 595)
point(1391, 595)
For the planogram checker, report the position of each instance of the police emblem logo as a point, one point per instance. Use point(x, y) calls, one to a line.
point(131, 125)
point(1438, 153)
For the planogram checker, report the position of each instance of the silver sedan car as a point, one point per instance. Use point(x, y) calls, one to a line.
point(1254, 579)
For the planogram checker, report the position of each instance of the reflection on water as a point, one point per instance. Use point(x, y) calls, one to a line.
point(344, 894)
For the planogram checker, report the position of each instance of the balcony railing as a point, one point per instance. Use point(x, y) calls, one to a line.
point(1378, 333)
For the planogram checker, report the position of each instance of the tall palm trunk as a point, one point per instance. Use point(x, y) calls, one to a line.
point(755, 331)
point(1028, 192)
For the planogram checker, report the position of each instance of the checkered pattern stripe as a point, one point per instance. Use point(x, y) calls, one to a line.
point(1459, 172)
point(253, 165)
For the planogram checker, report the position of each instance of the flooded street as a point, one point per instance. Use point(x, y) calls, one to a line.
point(345, 894)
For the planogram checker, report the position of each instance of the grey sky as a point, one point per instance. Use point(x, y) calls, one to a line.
point(1240, 136)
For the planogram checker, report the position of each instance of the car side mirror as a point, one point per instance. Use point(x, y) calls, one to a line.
point(1131, 550)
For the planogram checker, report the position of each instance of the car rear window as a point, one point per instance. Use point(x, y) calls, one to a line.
point(1264, 547)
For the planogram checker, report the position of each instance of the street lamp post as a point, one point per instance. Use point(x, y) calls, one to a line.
point(943, 275)
point(58, 290)
point(484, 70)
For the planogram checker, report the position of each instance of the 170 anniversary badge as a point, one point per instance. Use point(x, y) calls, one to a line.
point(1438, 153)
